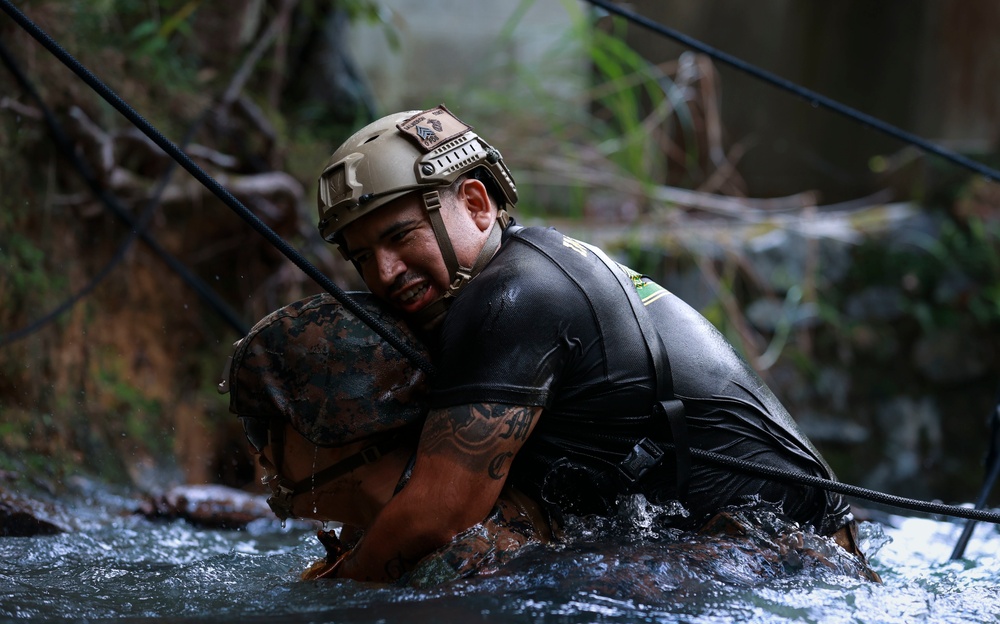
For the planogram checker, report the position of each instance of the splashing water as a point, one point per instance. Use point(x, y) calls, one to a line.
point(118, 566)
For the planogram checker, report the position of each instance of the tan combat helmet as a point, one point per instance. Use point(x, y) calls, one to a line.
point(402, 153)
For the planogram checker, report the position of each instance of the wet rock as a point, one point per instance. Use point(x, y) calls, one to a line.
point(954, 287)
point(208, 506)
point(24, 517)
point(782, 257)
point(778, 256)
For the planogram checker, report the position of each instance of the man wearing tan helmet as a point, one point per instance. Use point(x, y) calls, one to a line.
point(559, 371)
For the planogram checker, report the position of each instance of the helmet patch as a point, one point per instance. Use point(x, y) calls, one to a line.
point(433, 127)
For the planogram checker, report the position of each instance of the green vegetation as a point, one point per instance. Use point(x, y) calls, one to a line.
point(598, 136)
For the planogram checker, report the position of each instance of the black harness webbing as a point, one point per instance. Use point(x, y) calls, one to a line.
point(647, 454)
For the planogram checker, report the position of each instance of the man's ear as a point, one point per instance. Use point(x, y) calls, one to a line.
point(477, 201)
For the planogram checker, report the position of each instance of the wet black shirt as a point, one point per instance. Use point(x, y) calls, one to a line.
point(547, 324)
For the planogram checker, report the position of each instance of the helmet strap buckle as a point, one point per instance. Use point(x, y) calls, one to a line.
point(280, 500)
point(462, 277)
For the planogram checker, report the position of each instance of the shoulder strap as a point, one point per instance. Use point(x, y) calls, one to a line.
point(651, 336)
point(647, 453)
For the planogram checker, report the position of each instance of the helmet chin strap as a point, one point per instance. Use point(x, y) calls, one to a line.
point(459, 275)
point(283, 489)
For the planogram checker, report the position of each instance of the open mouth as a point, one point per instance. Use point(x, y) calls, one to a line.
point(413, 299)
point(413, 294)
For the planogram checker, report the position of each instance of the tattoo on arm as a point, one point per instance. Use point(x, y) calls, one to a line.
point(484, 435)
point(497, 465)
point(518, 423)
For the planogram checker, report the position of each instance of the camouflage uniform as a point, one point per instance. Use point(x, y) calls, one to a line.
point(315, 365)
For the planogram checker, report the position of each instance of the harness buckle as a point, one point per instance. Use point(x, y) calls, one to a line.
point(643, 456)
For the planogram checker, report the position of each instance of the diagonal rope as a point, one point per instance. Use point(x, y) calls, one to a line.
point(847, 489)
point(812, 97)
point(213, 185)
point(138, 226)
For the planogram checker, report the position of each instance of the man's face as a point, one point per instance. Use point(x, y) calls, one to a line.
point(398, 254)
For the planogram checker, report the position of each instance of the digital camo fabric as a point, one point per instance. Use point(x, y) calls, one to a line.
point(314, 364)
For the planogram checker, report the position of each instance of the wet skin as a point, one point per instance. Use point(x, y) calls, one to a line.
point(355, 499)
point(460, 471)
point(465, 451)
point(398, 255)
point(352, 499)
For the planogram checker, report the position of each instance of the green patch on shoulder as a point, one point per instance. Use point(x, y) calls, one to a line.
point(649, 291)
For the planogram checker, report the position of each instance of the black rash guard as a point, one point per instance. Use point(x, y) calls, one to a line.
point(547, 324)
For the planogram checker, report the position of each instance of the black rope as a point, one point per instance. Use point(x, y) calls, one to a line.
point(217, 189)
point(992, 474)
point(138, 226)
point(811, 96)
point(845, 488)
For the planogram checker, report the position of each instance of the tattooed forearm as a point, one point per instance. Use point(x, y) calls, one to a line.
point(479, 434)
point(497, 470)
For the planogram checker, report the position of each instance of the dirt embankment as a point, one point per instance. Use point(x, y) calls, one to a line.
point(122, 381)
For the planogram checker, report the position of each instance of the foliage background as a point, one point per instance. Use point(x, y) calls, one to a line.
point(880, 337)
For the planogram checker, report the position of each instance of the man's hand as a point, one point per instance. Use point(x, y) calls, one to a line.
point(463, 459)
point(336, 552)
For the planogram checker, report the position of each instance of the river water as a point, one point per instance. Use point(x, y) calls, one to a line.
point(121, 567)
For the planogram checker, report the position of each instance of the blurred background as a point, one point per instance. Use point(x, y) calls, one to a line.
point(860, 277)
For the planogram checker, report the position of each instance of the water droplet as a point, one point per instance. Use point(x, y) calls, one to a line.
point(313, 483)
